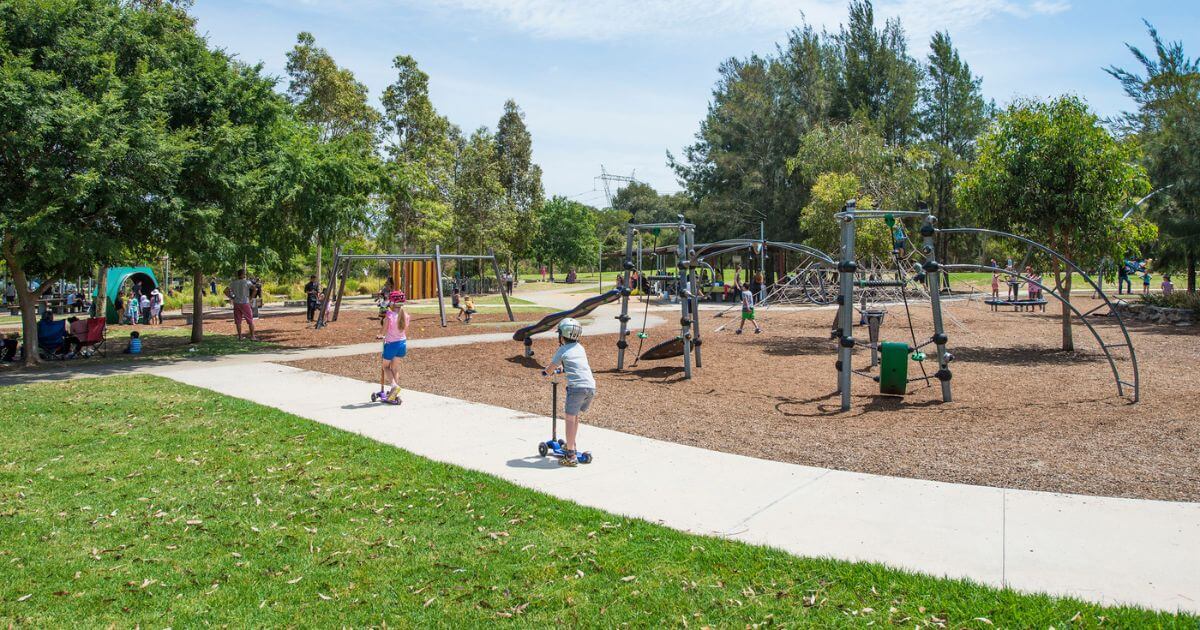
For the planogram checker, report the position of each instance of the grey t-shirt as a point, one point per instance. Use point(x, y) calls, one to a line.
point(575, 365)
point(240, 289)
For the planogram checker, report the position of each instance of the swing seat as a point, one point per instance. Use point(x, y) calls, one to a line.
point(893, 368)
point(665, 350)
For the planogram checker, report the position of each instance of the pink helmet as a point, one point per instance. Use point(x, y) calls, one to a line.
point(396, 297)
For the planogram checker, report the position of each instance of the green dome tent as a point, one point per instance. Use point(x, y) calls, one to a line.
point(118, 276)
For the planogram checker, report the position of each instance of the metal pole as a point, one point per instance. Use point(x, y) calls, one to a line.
point(933, 279)
point(685, 303)
point(762, 263)
point(622, 344)
point(695, 291)
point(503, 292)
point(337, 252)
point(437, 262)
point(846, 306)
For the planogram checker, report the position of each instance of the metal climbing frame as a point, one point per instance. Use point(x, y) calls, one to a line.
point(847, 267)
point(685, 275)
point(340, 270)
point(1031, 248)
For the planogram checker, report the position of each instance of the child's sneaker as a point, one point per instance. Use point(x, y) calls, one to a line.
point(394, 395)
point(569, 460)
point(757, 331)
point(738, 331)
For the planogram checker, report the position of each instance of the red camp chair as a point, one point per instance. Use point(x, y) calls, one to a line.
point(96, 338)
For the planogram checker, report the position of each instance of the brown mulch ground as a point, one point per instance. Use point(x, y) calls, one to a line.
point(358, 326)
point(1024, 416)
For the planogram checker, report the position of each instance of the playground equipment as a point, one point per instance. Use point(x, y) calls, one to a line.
point(893, 357)
point(554, 446)
point(115, 281)
point(551, 321)
point(687, 343)
point(759, 246)
point(420, 276)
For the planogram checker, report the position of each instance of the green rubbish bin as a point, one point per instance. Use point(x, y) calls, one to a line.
point(893, 368)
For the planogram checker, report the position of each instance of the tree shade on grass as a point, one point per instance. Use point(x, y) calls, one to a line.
point(136, 500)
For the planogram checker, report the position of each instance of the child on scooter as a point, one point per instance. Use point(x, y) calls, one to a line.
point(581, 386)
point(395, 345)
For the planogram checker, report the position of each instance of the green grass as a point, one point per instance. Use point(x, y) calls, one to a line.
point(139, 501)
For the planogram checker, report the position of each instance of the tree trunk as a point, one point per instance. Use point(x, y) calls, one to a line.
point(319, 256)
point(28, 303)
point(197, 307)
point(1191, 272)
point(1068, 340)
point(100, 304)
point(551, 267)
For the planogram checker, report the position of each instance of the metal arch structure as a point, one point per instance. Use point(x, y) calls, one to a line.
point(735, 244)
point(340, 270)
point(1034, 246)
point(823, 262)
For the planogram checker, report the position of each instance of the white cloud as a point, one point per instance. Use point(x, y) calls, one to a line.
point(618, 19)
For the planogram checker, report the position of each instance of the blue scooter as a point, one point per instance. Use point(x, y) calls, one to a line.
point(555, 446)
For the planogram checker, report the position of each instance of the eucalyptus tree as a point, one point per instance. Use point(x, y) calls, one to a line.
point(330, 97)
point(419, 169)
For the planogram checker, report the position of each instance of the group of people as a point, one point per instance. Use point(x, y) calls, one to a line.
point(1033, 282)
point(56, 338)
point(139, 307)
point(1130, 268)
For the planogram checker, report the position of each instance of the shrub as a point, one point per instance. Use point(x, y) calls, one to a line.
point(1178, 299)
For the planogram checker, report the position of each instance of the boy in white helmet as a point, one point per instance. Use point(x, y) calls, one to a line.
point(581, 386)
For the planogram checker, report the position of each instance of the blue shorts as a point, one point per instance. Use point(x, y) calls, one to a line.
point(395, 350)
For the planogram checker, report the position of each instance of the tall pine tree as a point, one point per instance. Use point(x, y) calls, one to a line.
point(952, 114)
point(520, 177)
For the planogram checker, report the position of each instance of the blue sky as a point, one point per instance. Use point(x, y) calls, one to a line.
point(621, 82)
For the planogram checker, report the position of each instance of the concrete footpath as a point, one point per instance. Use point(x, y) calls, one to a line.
point(1107, 550)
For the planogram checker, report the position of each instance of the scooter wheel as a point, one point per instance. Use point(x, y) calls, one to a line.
point(542, 449)
point(374, 397)
point(585, 457)
point(562, 443)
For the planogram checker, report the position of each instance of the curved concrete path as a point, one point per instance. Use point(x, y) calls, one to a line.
point(1106, 550)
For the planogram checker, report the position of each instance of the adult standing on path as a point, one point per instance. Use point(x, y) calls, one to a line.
point(239, 292)
point(312, 292)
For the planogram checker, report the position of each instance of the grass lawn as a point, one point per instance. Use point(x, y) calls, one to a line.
point(158, 342)
point(139, 501)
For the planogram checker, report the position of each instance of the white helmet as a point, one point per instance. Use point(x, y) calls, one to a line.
point(570, 329)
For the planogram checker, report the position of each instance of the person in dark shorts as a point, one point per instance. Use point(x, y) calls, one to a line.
point(311, 292)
